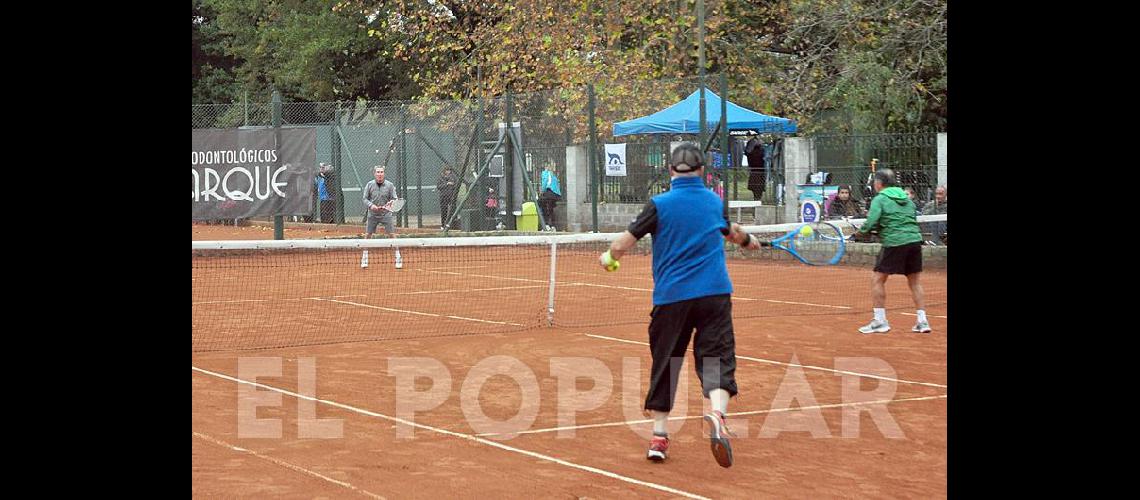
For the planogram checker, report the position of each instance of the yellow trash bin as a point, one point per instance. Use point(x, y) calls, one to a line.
point(528, 221)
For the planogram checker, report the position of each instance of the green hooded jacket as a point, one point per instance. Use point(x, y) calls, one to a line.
point(893, 214)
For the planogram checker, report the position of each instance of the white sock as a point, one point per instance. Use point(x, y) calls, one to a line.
point(397, 252)
point(719, 400)
point(881, 314)
point(921, 316)
point(660, 419)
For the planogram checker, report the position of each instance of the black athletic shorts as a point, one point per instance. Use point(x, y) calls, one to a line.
point(905, 259)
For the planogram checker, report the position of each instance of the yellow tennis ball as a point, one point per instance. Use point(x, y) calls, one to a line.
point(806, 231)
point(613, 267)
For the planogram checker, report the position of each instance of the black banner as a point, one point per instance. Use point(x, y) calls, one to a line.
point(244, 173)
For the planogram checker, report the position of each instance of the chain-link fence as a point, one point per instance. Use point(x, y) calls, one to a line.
point(498, 147)
point(847, 161)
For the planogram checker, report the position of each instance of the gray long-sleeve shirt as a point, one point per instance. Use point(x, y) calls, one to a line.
point(379, 195)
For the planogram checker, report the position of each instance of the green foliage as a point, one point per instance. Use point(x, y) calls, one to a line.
point(835, 65)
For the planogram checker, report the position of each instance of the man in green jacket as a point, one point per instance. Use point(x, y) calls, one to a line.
point(893, 214)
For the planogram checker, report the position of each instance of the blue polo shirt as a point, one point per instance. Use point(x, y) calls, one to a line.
point(688, 227)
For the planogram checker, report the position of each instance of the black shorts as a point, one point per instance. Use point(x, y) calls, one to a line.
point(905, 259)
point(714, 347)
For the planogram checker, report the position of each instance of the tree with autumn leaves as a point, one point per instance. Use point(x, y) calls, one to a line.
point(834, 65)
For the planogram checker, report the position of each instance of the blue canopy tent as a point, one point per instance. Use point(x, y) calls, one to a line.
point(684, 118)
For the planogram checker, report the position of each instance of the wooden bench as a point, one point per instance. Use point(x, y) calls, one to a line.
point(739, 205)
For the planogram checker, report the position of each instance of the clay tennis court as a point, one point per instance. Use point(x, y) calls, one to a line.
point(797, 347)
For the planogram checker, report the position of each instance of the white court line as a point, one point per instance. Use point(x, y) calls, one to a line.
point(467, 437)
point(820, 368)
point(734, 297)
point(485, 276)
point(928, 315)
point(235, 301)
point(731, 414)
point(610, 286)
point(743, 284)
point(636, 289)
point(416, 312)
point(469, 290)
point(265, 300)
point(287, 465)
point(804, 304)
point(595, 275)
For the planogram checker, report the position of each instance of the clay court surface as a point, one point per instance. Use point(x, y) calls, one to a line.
point(293, 231)
point(816, 364)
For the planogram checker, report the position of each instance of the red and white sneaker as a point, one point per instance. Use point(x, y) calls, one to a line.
point(657, 448)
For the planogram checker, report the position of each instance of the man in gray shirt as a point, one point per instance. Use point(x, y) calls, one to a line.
point(377, 193)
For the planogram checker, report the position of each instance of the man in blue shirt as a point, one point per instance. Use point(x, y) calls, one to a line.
point(691, 291)
point(325, 191)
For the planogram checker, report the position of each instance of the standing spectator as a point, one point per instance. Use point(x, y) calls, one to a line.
point(757, 180)
point(868, 188)
point(448, 188)
point(551, 194)
point(326, 191)
point(492, 207)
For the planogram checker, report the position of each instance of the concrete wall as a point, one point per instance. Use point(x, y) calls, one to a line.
point(942, 160)
point(799, 159)
point(576, 199)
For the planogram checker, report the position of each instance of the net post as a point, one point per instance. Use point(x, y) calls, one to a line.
point(550, 297)
point(592, 159)
point(278, 220)
point(724, 145)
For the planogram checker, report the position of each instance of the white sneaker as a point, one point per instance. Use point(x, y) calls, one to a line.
point(718, 438)
point(921, 327)
point(875, 326)
point(364, 260)
point(399, 262)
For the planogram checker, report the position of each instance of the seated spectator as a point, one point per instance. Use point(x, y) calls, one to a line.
point(938, 206)
point(844, 206)
point(913, 198)
point(934, 207)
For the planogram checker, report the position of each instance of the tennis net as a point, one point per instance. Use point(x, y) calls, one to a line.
point(266, 294)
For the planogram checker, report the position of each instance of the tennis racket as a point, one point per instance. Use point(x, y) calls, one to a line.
point(395, 205)
point(813, 243)
point(852, 226)
point(849, 227)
